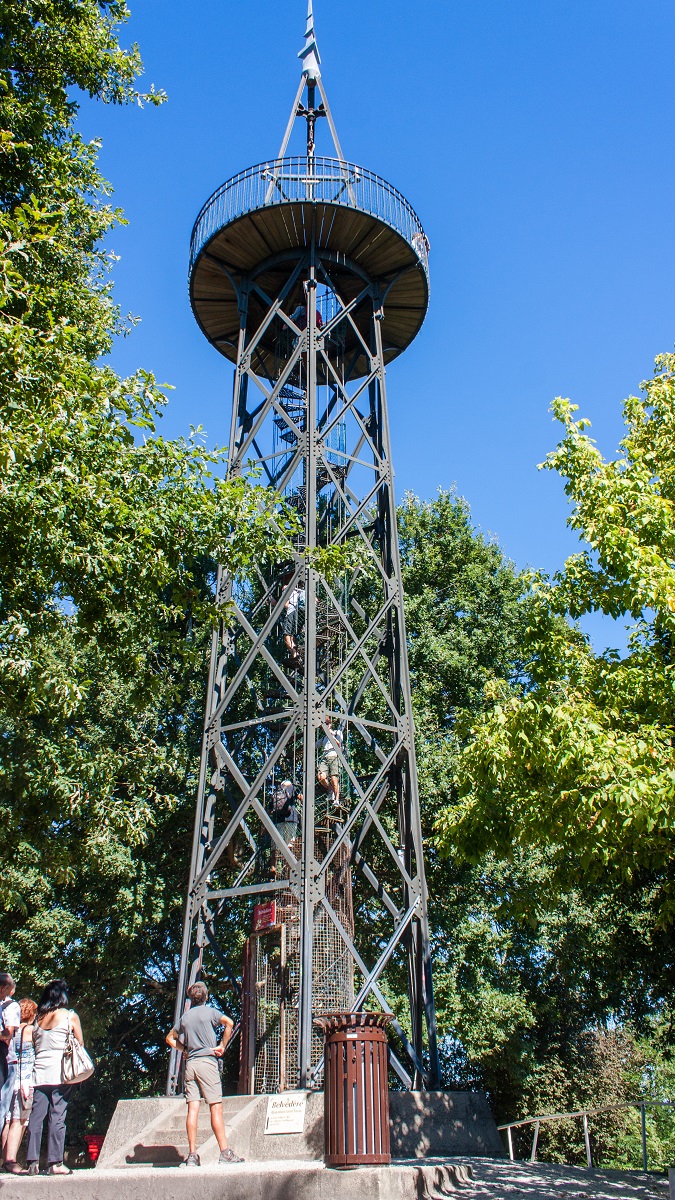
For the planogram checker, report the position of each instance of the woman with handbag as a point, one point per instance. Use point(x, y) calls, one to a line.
point(22, 1099)
point(55, 1028)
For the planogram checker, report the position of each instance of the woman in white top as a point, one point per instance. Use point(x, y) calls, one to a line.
point(50, 1095)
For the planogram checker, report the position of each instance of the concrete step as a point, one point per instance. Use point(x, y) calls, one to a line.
point(152, 1132)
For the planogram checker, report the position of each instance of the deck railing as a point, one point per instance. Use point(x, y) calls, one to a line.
point(317, 180)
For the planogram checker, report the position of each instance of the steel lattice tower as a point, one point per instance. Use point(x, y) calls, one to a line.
point(310, 274)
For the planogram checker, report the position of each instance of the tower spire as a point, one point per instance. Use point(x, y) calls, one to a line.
point(311, 59)
point(310, 82)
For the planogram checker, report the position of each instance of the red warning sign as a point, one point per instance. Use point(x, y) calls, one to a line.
point(264, 916)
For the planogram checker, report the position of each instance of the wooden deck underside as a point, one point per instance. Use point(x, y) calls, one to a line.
point(363, 247)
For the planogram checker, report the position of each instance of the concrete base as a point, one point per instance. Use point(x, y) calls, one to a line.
point(274, 1181)
point(464, 1179)
point(423, 1124)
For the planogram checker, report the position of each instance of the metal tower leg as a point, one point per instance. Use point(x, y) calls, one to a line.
point(309, 864)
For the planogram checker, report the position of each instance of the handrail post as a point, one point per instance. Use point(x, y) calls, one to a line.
point(510, 1141)
point(589, 1156)
point(533, 1156)
point(643, 1131)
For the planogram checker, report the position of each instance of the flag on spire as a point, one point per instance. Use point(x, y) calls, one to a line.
point(310, 51)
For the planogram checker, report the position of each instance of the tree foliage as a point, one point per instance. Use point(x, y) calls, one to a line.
point(551, 992)
point(580, 759)
point(463, 624)
point(110, 536)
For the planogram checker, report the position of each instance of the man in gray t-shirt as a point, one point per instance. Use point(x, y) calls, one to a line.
point(197, 1030)
point(195, 1035)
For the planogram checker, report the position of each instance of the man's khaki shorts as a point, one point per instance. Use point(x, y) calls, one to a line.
point(202, 1078)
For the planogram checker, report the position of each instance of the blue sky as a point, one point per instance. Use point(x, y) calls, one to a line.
point(534, 138)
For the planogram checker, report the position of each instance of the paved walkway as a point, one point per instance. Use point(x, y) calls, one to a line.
point(504, 1180)
point(425, 1179)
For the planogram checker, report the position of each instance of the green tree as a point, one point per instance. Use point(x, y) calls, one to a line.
point(464, 624)
point(545, 994)
point(110, 536)
point(580, 759)
point(463, 620)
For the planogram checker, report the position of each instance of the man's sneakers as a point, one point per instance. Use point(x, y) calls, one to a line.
point(229, 1156)
point(226, 1156)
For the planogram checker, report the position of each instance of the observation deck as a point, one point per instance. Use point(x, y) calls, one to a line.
point(363, 230)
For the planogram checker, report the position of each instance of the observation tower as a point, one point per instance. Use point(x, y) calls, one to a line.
point(307, 892)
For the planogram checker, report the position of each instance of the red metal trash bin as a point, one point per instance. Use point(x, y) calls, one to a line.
point(355, 1089)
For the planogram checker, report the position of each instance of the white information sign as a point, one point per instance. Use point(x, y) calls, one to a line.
point(286, 1113)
